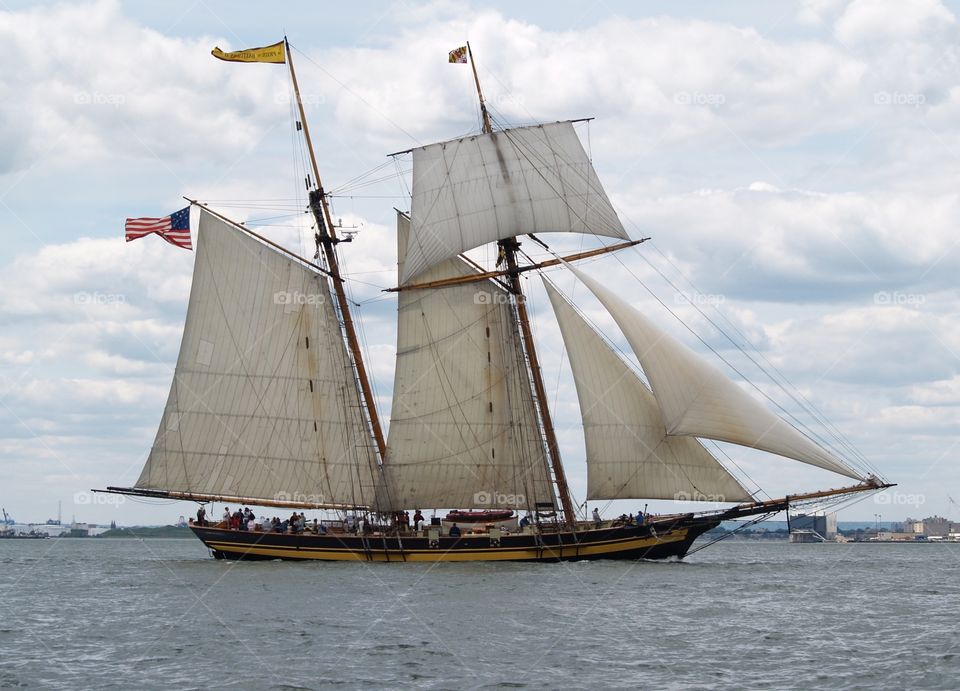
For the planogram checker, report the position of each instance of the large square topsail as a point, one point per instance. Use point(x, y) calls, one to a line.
point(480, 189)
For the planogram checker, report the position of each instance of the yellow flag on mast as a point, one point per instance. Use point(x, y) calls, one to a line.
point(458, 55)
point(275, 53)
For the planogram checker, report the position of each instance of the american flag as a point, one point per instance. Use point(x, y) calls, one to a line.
point(174, 228)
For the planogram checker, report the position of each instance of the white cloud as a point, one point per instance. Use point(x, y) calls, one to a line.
point(942, 392)
point(793, 178)
point(882, 21)
point(83, 82)
point(815, 12)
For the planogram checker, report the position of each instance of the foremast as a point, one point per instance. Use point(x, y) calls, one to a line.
point(327, 240)
point(508, 252)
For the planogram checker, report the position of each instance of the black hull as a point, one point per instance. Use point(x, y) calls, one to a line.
point(662, 540)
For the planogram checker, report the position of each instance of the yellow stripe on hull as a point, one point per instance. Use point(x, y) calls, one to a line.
point(453, 555)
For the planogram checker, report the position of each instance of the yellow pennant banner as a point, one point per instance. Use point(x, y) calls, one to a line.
point(274, 53)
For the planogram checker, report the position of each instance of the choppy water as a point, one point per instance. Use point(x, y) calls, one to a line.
point(161, 613)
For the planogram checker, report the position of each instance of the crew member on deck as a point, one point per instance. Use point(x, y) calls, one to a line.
point(201, 516)
point(640, 518)
point(417, 520)
point(597, 521)
point(454, 530)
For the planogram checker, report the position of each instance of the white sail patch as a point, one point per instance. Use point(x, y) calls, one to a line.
point(629, 455)
point(204, 353)
point(463, 431)
point(472, 191)
point(263, 403)
point(696, 399)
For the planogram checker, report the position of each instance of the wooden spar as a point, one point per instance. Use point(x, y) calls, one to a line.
point(509, 249)
point(240, 226)
point(483, 106)
point(328, 238)
point(224, 498)
point(407, 151)
point(483, 275)
point(783, 503)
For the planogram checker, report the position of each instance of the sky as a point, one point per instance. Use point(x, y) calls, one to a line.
point(794, 163)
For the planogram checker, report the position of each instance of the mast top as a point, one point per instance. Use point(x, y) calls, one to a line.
point(487, 127)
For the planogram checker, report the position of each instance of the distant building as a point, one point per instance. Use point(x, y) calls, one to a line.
point(932, 526)
point(912, 526)
point(821, 523)
point(890, 536)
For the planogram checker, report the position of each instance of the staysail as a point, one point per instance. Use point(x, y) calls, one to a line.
point(263, 403)
point(488, 187)
point(629, 454)
point(463, 430)
point(696, 399)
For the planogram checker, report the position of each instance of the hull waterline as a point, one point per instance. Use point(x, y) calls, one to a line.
point(657, 541)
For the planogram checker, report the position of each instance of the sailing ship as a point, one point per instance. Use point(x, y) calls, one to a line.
point(271, 402)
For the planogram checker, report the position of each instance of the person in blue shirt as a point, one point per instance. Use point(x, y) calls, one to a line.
point(639, 518)
point(454, 531)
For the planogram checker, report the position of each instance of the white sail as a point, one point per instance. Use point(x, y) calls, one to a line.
point(263, 403)
point(480, 189)
point(463, 433)
point(696, 399)
point(629, 454)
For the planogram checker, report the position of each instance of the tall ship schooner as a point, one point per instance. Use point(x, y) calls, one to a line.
point(271, 402)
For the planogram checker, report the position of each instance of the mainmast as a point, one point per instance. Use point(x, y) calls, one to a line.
point(508, 251)
point(327, 238)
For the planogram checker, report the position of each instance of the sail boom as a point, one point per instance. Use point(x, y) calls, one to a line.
point(484, 275)
point(227, 498)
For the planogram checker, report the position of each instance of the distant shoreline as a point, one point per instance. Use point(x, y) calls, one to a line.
point(163, 531)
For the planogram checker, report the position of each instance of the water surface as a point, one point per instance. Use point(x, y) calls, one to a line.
point(125, 613)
